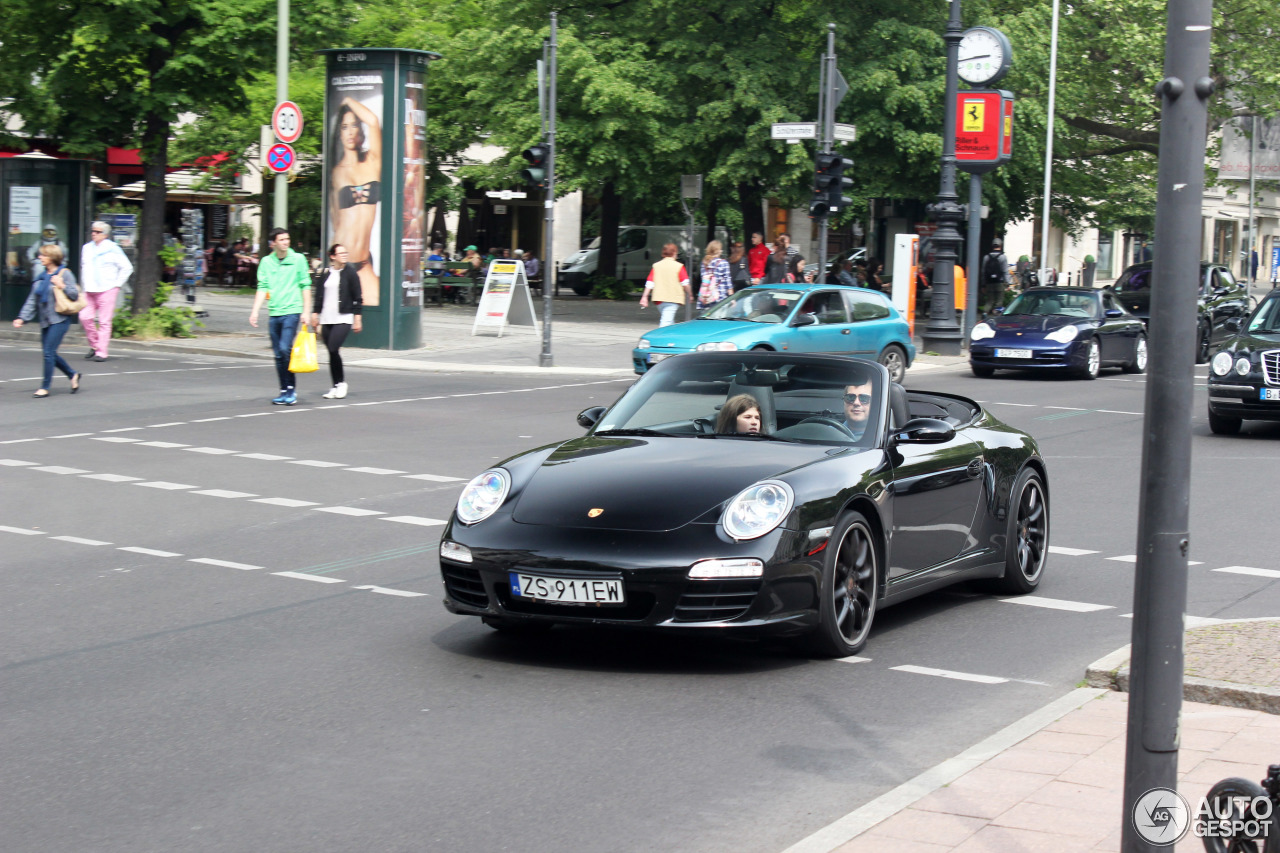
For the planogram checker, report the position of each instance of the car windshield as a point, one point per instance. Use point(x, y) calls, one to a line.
point(757, 397)
point(1266, 320)
point(1043, 303)
point(757, 304)
point(1134, 278)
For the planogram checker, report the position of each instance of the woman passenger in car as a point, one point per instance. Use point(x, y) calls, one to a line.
point(739, 414)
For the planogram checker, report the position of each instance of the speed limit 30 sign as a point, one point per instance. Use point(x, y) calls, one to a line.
point(286, 122)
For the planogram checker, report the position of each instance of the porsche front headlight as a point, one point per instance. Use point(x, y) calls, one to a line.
point(718, 346)
point(1221, 364)
point(981, 332)
point(758, 509)
point(1065, 335)
point(483, 495)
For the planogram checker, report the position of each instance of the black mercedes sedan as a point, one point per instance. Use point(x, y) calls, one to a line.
point(1244, 376)
point(753, 492)
point(1073, 330)
point(1221, 298)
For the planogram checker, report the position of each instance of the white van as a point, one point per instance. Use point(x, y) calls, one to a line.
point(639, 246)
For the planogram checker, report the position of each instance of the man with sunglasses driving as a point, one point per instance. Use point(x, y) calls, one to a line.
point(857, 408)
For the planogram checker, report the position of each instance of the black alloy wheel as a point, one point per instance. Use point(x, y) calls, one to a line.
point(1092, 360)
point(847, 600)
point(1231, 800)
point(1223, 425)
point(1139, 362)
point(1026, 546)
point(895, 361)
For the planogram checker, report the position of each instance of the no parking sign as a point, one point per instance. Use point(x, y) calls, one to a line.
point(280, 158)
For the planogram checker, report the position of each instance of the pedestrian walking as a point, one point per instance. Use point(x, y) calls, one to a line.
point(669, 284)
point(42, 303)
point(341, 305)
point(104, 269)
point(786, 264)
point(995, 277)
point(758, 257)
point(716, 284)
point(739, 267)
point(283, 280)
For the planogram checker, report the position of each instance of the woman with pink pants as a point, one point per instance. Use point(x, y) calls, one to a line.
point(104, 268)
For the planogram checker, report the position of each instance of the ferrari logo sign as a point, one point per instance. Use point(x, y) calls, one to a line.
point(971, 121)
point(984, 129)
point(594, 513)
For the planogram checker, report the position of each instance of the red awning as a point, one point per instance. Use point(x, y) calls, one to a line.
point(123, 156)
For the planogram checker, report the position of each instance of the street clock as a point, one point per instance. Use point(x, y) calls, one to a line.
point(985, 56)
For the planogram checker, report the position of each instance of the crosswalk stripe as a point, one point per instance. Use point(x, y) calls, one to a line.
point(1057, 604)
point(947, 673)
point(1069, 552)
point(1249, 570)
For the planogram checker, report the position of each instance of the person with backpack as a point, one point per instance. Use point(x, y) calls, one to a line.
point(995, 277)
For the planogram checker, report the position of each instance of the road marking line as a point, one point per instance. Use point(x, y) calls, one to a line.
point(348, 510)
point(149, 551)
point(435, 478)
point(1114, 412)
point(161, 484)
point(400, 592)
point(1069, 552)
point(1069, 408)
point(372, 403)
point(254, 414)
point(316, 463)
point(377, 471)
point(59, 469)
point(267, 457)
point(1249, 570)
point(15, 463)
point(78, 541)
point(20, 440)
point(210, 420)
point(21, 531)
point(161, 444)
point(111, 478)
point(290, 502)
point(146, 358)
point(852, 659)
point(1019, 405)
point(72, 435)
point(225, 493)
point(1057, 604)
point(1061, 415)
point(335, 406)
point(226, 564)
point(302, 576)
point(212, 451)
point(947, 673)
point(119, 439)
point(123, 429)
point(413, 519)
point(1127, 558)
point(171, 423)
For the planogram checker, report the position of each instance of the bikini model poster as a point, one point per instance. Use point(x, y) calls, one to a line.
point(414, 212)
point(354, 162)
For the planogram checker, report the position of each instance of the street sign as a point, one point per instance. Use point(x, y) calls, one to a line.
point(280, 158)
point(505, 300)
point(795, 130)
point(506, 195)
point(984, 129)
point(286, 122)
point(845, 132)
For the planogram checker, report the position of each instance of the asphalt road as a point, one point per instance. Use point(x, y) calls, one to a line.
point(221, 629)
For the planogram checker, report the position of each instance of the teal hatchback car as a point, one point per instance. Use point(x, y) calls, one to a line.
point(790, 318)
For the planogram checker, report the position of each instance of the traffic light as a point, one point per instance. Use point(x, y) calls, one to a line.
point(535, 174)
point(829, 184)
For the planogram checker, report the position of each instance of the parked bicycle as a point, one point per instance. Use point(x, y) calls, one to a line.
point(1245, 815)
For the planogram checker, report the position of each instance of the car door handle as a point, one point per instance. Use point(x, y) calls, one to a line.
point(975, 467)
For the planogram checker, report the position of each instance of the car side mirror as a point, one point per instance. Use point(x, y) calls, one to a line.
point(588, 418)
point(1112, 313)
point(924, 431)
point(805, 320)
point(1232, 325)
point(998, 310)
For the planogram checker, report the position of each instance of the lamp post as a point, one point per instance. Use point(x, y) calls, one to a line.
point(941, 334)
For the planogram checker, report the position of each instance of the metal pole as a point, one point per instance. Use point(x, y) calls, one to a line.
point(548, 253)
point(827, 119)
point(1253, 149)
point(1048, 145)
point(941, 334)
point(975, 235)
point(280, 213)
point(688, 262)
point(1160, 583)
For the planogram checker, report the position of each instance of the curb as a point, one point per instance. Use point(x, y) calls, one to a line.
point(886, 805)
point(509, 369)
point(146, 346)
point(1111, 672)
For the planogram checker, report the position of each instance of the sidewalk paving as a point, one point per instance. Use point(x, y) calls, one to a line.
point(1054, 780)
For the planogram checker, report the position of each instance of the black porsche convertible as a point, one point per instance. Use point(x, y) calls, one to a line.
point(679, 509)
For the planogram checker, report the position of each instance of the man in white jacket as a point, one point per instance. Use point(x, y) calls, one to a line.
point(104, 268)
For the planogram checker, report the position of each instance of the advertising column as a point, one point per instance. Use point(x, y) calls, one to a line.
point(375, 155)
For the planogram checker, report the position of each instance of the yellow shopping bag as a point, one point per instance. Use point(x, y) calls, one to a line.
point(303, 357)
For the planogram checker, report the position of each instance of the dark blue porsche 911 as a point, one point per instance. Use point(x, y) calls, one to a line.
point(1063, 329)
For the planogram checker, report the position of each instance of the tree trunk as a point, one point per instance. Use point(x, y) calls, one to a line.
point(610, 219)
point(713, 210)
point(752, 216)
point(466, 231)
point(155, 164)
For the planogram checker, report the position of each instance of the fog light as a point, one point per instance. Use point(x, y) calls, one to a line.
point(742, 568)
point(454, 551)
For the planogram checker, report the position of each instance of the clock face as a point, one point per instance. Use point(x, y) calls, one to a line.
point(984, 56)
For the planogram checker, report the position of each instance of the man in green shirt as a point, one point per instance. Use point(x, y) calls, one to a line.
point(285, 280)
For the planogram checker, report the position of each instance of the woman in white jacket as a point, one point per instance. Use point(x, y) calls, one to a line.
point(104, 268)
